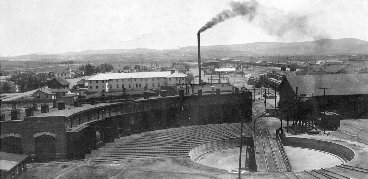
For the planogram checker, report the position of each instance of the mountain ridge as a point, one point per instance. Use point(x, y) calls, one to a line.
point(344, 46)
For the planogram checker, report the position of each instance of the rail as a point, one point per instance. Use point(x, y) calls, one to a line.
point(283, 153)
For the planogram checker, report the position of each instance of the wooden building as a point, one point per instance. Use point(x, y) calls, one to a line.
point(58, 86)
point(346, 94)
point(44, 93)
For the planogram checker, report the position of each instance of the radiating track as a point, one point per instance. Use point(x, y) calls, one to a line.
point(175, 142)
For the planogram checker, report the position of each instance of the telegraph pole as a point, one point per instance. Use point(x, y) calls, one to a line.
point(265, 98)
point(275, 96)
point(295, 108)
point(241, 144)
point(324, 108)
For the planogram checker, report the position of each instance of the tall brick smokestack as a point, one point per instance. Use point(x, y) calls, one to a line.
point(199, 57)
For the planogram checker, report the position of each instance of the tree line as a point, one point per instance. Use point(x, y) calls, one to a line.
point(89, 69)
point(28, 81)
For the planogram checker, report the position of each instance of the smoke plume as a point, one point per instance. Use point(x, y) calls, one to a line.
point(284, 25)
point(246, 9)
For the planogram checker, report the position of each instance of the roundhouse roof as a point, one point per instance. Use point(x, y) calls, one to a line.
point(336, 84)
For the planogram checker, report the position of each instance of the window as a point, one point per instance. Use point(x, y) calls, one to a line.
point(117, 80)
point(141, 79)
point(158, 84)
point(110, 86)
point(158, 79)
point(153, 79)
point(136, 85)
point(130, 86)
point(96, 87)
point(146, 79)
point(153, 84)
point(140, 85)
point(96, 81)
point(122, 86)
point(90, 87)
point(135, 79)
point(117, 85)
point(169, 79)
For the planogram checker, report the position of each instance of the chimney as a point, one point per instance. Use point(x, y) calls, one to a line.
point(199, 57)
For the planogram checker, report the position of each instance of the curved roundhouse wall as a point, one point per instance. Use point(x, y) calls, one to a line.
point(330, 147)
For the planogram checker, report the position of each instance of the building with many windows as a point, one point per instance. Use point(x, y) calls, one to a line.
point(140, 81)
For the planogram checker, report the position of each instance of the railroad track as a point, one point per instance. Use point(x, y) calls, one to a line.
point(176, 142)
point(274, 158)
point(353, 168)
point(324, 173)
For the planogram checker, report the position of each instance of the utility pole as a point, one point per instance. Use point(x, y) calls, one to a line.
point(287, 124)
point(275, 97)
point(355, 107)
point(234, 76)
point(254, 94)
point(241, 144)
point(324, 109)
point(265, 98)
point(295, 108)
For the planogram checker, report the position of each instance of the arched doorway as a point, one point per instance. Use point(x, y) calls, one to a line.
point(45, 146)
point(11, 143)
point(98, 136)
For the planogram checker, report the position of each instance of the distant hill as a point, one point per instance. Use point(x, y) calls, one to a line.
point(347, 46)
point(111, 51)
point(318, 47)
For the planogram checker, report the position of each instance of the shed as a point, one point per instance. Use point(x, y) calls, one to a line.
point(12, 165)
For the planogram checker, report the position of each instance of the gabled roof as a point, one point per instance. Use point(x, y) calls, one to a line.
point(339, 69)
point(62, 81)
point(82, 81)
point(159, 74)
point(62, 90)
point(309, 72)
point(225, 69)
point(176, 75)
point(337, 84)
point(45, 90)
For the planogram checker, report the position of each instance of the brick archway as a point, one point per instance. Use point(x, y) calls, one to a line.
point(11, 143)
point(45, 148)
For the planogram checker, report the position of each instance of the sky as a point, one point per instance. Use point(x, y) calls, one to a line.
point(57, 26)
